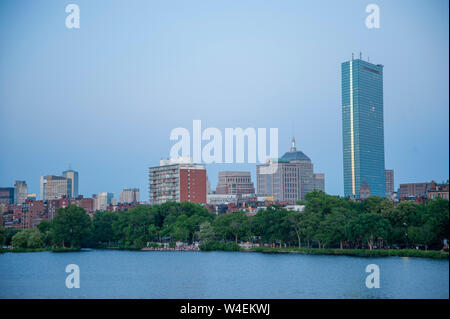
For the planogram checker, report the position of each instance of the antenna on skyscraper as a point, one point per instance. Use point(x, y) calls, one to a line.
point(360, 55)
point(353, 55)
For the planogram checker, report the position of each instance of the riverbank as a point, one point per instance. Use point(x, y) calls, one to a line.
point(36, 250)
point(358, 252)
point(433, 254)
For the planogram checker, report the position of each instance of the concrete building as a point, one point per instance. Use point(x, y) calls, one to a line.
point(73, 176)
point(20, 192)
point(288, 178)
point(129, 195)
point(177, 181)
point(235, 183)
point(55, 187)
point(103, 200)
point(389, 177)
point(319, 181)
point(363, 128)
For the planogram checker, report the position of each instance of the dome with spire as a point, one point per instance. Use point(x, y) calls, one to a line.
point(294, 155)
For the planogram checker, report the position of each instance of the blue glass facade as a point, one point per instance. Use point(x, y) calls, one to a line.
point(363, 128)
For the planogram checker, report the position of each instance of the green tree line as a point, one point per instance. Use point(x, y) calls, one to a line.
point(327, 222)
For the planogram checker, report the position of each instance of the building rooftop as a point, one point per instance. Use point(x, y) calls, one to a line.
point(294, 155)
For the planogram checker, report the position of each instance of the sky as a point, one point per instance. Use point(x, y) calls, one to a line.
point(104, 98)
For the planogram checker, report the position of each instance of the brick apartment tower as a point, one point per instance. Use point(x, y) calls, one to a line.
point(177, 182)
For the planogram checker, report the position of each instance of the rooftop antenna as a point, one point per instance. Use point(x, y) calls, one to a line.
point(368, 59)
point(353, 55)
point(293, 130)
point(360, 55)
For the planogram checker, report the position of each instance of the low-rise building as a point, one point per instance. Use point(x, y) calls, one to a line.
point(438, 190)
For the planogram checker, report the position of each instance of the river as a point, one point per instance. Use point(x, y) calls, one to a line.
point(194, 274)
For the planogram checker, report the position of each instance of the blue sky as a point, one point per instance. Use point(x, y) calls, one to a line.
point(104, 98)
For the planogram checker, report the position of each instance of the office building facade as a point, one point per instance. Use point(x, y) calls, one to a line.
point(129, 195)
point(288, 178)
point(235, 183)
point(103, 200)
point(55, 187)
point(6, 195)
point(363, 128)
point(389, 177)
point(73, 176)
point(20, 192)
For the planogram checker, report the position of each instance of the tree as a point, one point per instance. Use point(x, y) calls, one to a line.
point(293, 220)
point(28, 238)
point(206, 232)
point(10, 232)
point(46, 229)
point(437, 215)
point(309, 225)
point(232, 226)
point(369, 227)
point(2, 236)
point(103, 227)
point(19, 240)
point(72, 227)
point(334, 227)
point(180, 228)
point(422, 235)
point(35, 238)
point(132, 226)
point(319, 202)
point(152, 232)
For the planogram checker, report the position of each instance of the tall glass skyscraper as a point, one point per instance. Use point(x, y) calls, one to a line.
point(363, 129)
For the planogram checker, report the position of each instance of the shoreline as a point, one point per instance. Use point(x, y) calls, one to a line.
point(432, 254)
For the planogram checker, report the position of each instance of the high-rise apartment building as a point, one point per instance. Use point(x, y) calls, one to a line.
point(20, 192)
point(363, 129)
point(55, 187)
point(389, 177)
point(73, 176)
point(174, 181)
point(129, 195)
point(235, 183)
point(288, 178)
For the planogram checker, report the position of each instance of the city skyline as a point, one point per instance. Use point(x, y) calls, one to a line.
point(251, 68)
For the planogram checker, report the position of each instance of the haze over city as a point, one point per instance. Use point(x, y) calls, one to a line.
point(104, 98)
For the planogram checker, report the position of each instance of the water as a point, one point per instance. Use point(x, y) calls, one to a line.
point(150, 274)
